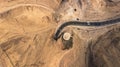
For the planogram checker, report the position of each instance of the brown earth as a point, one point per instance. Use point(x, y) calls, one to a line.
point(27, 28)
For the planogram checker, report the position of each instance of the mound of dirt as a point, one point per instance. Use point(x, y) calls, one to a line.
point(28, 27)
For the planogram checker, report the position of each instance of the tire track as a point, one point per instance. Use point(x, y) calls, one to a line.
point(25, 5)
point(79, 23)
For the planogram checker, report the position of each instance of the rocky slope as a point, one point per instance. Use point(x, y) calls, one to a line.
point(27, 28)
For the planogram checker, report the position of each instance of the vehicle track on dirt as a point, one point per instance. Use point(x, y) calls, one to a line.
point(25, 5)
point(79, 23)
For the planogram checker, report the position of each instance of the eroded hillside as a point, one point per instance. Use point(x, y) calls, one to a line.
point(28, 27)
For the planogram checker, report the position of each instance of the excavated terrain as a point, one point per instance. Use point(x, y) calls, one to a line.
point(28, 27)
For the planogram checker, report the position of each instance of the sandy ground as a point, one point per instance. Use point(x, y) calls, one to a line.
point(27, 28)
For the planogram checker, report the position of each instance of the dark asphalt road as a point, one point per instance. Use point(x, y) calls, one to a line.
point(78, 23)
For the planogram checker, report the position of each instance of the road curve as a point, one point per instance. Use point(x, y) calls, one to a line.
point(78, 23)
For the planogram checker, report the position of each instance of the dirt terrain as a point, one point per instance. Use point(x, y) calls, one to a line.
point(27, 29)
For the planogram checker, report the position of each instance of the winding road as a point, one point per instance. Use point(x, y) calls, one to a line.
point(78, 23)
